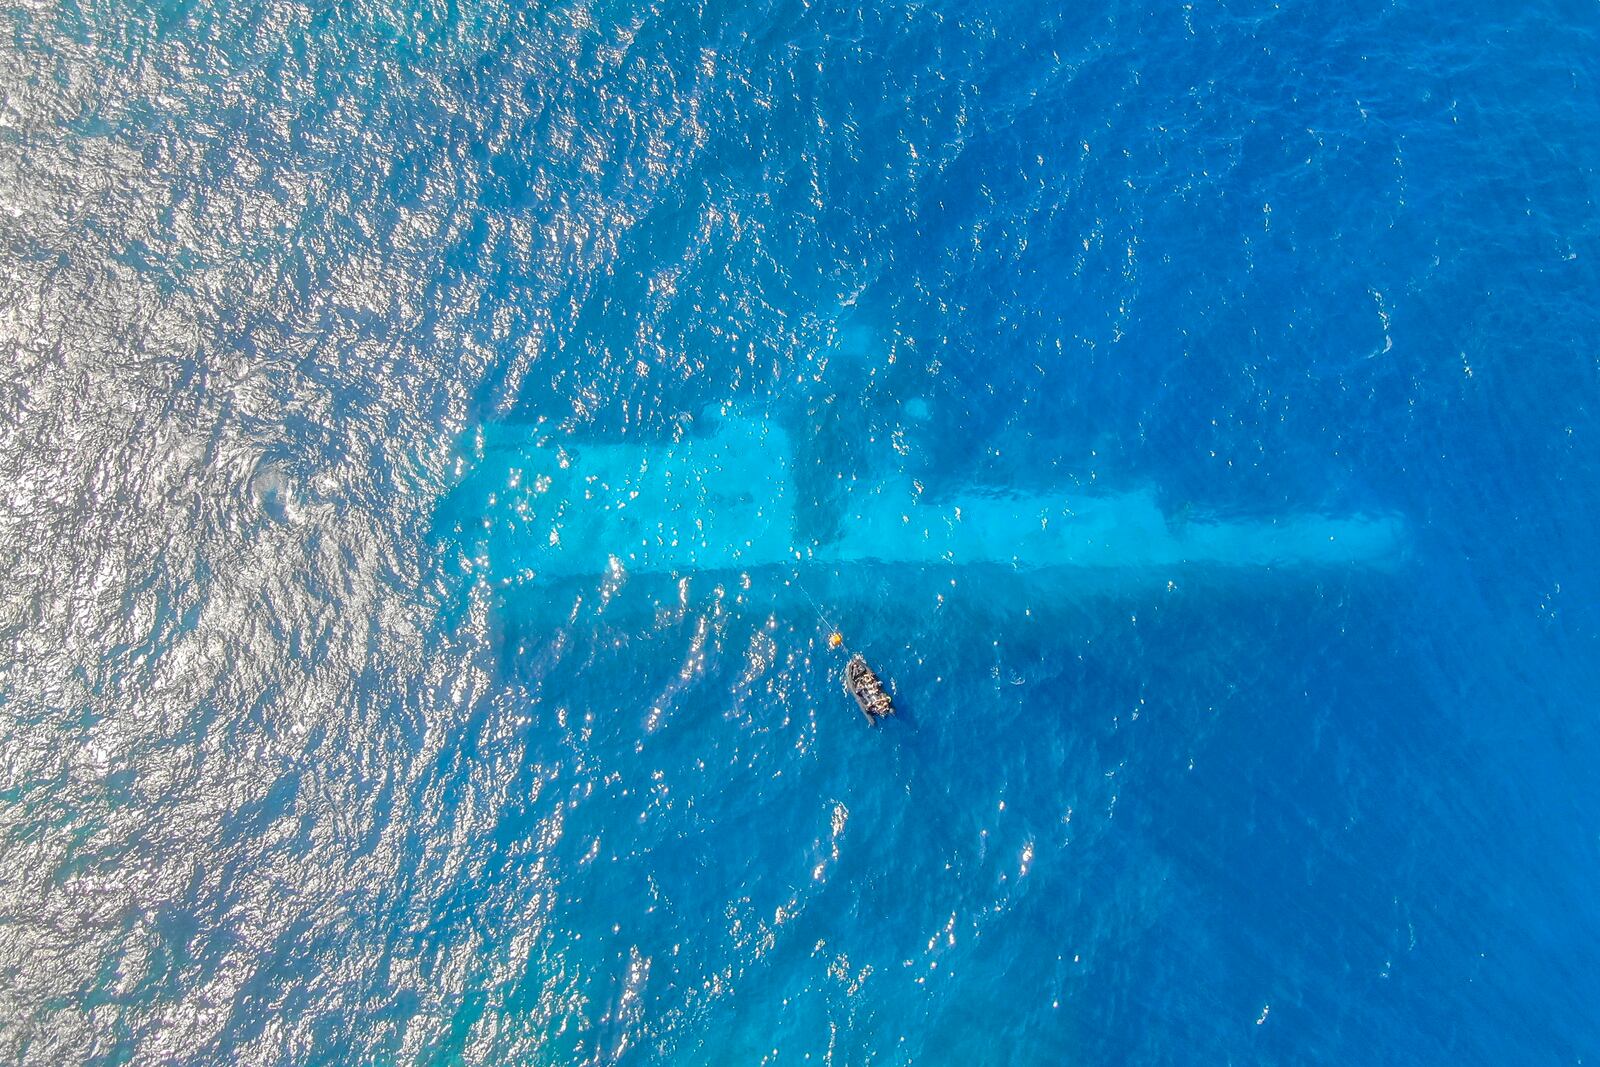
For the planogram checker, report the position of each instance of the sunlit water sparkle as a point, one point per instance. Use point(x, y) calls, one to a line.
point(295, 768)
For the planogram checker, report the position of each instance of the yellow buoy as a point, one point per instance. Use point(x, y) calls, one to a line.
point(835, 639)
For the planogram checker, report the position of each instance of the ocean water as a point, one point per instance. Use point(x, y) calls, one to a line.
point(436, 441)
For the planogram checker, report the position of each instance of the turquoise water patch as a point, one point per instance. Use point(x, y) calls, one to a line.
point(438, 442)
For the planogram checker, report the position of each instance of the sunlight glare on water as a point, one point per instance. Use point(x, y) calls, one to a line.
point(437, 442)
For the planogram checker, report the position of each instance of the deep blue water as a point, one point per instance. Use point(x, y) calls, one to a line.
point(306, 757)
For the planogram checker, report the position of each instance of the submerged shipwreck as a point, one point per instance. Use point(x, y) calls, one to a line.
point(532, 506)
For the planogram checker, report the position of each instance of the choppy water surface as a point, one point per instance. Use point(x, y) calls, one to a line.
point(1192, 410)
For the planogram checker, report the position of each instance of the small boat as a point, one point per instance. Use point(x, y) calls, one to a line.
point(861, 683)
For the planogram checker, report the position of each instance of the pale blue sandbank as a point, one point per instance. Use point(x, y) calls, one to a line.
point(534, 505)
